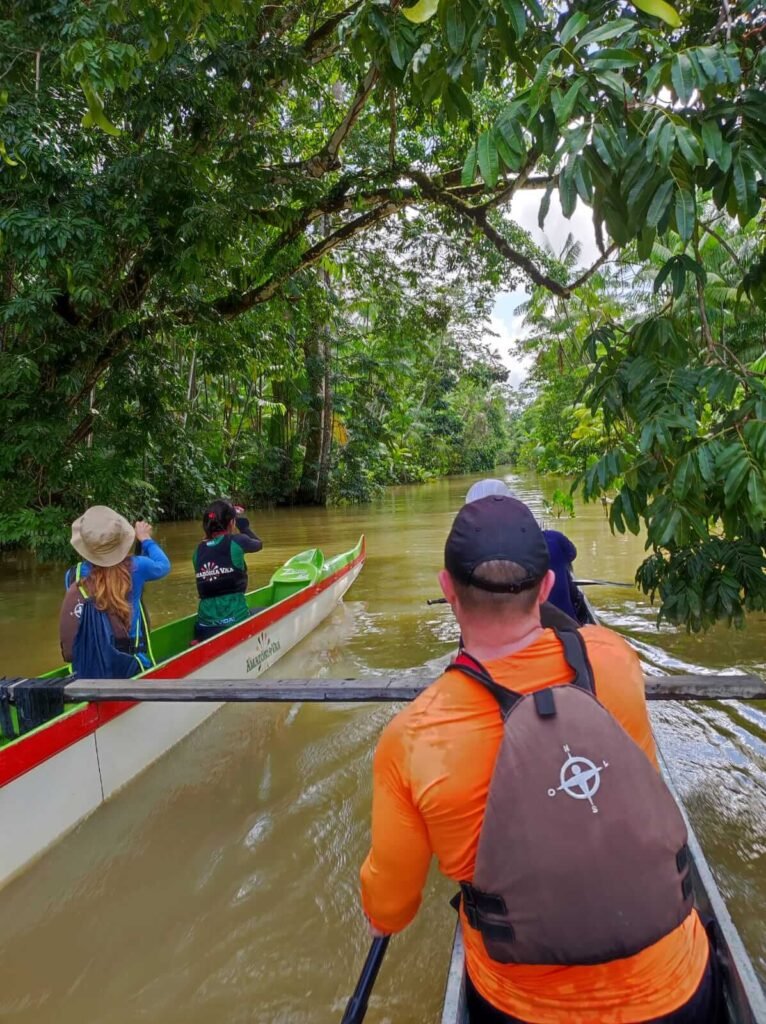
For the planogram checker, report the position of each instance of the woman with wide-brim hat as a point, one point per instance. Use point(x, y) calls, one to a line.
point(112, 577)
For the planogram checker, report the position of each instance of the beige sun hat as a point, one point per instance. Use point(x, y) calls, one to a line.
point(102, 536)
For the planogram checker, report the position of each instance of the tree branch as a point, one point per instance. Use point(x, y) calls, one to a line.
point(323, 41)
point(327, 158)
point(603, 258)
point(235, 304)
point(477, 215)
point(510, 190)
point(722, 242)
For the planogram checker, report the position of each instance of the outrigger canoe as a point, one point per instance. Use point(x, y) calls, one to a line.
point(743, 996)
point(54, 774)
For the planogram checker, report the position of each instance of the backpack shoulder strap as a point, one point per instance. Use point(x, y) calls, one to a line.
point(470, 666)
point(576, 656)
point(72, 575)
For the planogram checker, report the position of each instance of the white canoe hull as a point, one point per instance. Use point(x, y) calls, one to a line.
point(105, 747)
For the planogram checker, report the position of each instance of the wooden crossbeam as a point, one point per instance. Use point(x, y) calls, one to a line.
point(399, 687)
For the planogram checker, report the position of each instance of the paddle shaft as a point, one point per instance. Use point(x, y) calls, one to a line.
point(577, 583)
point(356, 1007)
point(602, 583)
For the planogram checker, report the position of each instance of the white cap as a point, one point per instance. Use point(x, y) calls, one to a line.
point(485, 488)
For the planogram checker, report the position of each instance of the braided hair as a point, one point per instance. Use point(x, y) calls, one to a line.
point(218, 517)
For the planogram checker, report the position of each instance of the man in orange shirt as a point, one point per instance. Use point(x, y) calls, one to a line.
point(573, 910)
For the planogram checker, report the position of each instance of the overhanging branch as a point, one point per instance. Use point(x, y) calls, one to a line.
point(235, 304)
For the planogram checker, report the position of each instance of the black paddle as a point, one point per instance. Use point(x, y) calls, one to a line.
point(601, 583)
point(577, 583)
point(356, 1007)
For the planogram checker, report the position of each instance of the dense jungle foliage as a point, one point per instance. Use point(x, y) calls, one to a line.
point(249, 246)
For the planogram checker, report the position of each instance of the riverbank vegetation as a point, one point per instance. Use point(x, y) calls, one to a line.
point(249, 247)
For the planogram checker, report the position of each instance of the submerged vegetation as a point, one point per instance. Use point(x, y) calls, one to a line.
point(250, 248)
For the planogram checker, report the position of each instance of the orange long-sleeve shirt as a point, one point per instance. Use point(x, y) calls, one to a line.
point(432, 771)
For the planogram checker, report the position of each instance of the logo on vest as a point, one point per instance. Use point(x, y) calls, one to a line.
point(580, 778)
point(210, 571)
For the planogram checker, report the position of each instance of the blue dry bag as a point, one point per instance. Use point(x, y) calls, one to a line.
point(95, 655)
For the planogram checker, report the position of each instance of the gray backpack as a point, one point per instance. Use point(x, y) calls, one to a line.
point(582, 856)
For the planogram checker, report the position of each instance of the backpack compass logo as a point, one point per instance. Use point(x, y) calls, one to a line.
point(580, 778)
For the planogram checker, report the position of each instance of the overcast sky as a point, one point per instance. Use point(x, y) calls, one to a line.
point(504, 321)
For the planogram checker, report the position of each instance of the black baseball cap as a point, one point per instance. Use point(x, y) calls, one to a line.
point(496, 528)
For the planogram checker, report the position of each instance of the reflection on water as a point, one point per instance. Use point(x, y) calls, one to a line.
point(221, 885)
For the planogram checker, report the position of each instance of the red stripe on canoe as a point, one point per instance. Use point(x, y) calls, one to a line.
point(37, 747)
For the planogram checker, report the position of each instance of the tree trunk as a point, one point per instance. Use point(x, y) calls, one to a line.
point(315, 476)
point(307, 492)
point(323, 478)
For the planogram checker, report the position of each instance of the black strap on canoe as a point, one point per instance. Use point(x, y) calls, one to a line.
point(38, 701)
point(8, 728)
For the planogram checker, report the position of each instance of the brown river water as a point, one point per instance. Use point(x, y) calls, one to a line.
point(220, 887)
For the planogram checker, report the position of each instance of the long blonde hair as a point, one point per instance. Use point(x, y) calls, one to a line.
point(110, 586)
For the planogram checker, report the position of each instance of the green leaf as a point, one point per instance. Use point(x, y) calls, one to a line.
point(422, 11)
point(564, 106)
point(455, 27)
point(659, 204)
point(582, 181)
point(756, 492)
point(689, 145)
point(709, 58)
point(510, 157)
point(666, 143)
point(469, 167)
point(567, 191)
point(489, 162)
point(615, 84)
point(397, 56)
point(745, 189)
point(536, 10)
point(573, 26)
point(686, 211)
point(706, 463)
point(736, 479)
point(659, 9)
point(516, 15)
point(755, 435)
point(7, 159)
point(545, 205)
point(645, 242)
point(684, 476)
point(712, 140)
point(609, 30)
point(682, 76)
point(665, 531)
point(510, 142)
point(601, 138)
point(613, 59)
point(95, 115)
point(663, 274)
point(678, 274)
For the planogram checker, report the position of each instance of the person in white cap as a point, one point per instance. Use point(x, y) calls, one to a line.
point(485, 488)
point(113, 578)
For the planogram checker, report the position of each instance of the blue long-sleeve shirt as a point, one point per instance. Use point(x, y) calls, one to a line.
point(562, 553)
point(151, 564)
